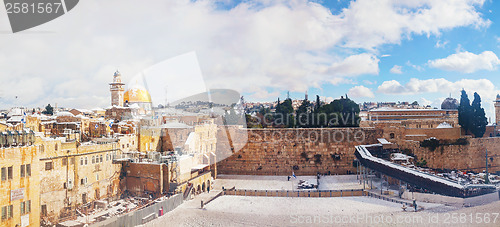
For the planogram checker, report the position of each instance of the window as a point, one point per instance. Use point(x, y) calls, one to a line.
point(123, 146)
point(81, 161)
point(10, 211)
point(48, 165)
point(4, 213)
point(23, 171)
point(9, 173)
point(44, 210)
point(65, 161)
point(28, 170)
point(55, 147)
point(93, 159)
point(28, 206)
point(23, 208)
point(83, 181)
point(4, 174)
point(391, 135)
point(86, 161)
point(100, 158)
point(97, 177)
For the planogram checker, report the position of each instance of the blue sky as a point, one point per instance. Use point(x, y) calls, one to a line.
point(385, 50)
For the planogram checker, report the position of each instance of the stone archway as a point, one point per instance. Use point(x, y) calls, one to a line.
point(199, 189)
point(203, 187)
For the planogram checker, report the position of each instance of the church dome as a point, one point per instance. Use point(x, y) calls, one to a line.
point(450, 104)
point(137, 94)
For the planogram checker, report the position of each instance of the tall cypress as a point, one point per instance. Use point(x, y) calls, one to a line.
point(465, 112)
point(479, 120)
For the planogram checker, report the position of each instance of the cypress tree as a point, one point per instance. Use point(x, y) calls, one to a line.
point(479, 120)
point(465, 112)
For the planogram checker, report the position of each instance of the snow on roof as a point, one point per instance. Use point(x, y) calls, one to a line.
point(64, 114)
point(175, 125)
point(134, 106)
point(444, 125)
point(190, 138)
point(383, 141)
point(98, 109)
point(399, 157)
point(84, 111)
point(15, 119)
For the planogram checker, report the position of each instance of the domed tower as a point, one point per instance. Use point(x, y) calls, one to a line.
point(497, 110)
point(116, 89)
point(450, 104)
point(137, 94)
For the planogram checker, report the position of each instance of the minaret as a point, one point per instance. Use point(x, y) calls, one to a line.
point(497, 110)
point(116, 89)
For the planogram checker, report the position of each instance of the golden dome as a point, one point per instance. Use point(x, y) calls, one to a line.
point(136, 95)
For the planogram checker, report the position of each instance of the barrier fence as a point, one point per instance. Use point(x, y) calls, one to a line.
point(375, 195)
point(293, 193)
point(143, 215)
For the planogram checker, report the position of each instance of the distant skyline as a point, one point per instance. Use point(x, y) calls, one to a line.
point(372, 50)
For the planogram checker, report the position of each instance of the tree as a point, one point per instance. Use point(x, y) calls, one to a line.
point(285, 112)
point(415, 103)
point(479, 120)
point(303, 114)
point(318, 104)
point(465, 112)
point(49, 110)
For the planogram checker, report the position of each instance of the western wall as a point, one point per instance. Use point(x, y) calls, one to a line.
point(309, 151)
point(303, 151)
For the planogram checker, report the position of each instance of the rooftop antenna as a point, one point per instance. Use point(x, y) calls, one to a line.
point(288, 95)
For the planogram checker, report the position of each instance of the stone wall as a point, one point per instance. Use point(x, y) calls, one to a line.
point(461, 157)
point(146, 177)
point(303, 151)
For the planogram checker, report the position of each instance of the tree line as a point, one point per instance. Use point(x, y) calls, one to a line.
point(472, 117)
point(341, 112)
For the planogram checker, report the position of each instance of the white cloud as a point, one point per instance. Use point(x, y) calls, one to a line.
point(355, 65)
point(361, 92)
point(262, 95)
point(467, 62)
point(440, 44)
point(368, 82)
point(396, 69)
point(378, 22)
point(282, 45)
point(417, 67)
point(485, 88)
point(441, 85)
point(424, 102)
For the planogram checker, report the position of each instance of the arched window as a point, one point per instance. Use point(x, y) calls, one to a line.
point(391, 135)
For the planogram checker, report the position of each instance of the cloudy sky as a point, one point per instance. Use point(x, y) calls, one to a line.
point(384, 50)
